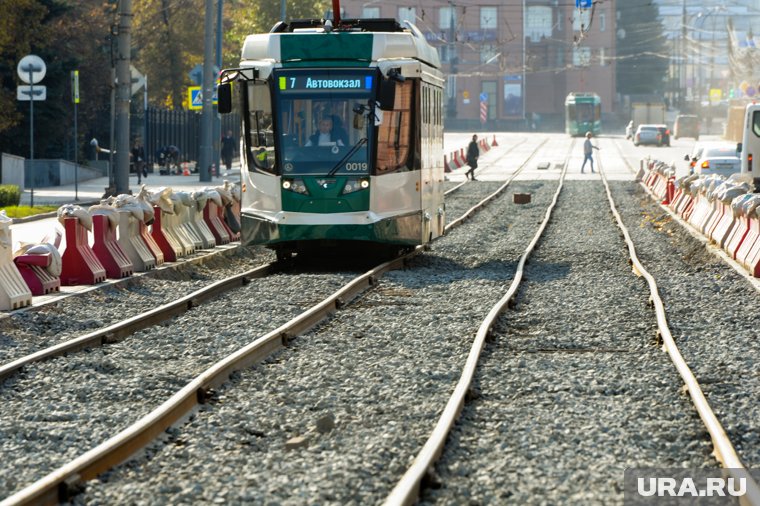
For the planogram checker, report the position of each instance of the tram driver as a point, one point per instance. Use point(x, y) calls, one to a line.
point(326, 136)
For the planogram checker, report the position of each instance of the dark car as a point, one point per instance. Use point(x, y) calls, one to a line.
point(664, 135)
point(686, 125)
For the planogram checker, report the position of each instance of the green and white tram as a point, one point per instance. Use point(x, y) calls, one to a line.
point(342, 135)
point(583, 113)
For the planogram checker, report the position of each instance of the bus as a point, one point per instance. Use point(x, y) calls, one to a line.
point(583, 113)
point(342, 136)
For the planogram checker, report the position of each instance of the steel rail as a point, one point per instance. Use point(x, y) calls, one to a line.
point(120, 330)
point(498, 191)
point(723, 449)
point(64, 482)
point(696, 233)
point(407, 489)
point(505, 153)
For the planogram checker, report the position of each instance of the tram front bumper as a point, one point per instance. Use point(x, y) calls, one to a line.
point(404, 229)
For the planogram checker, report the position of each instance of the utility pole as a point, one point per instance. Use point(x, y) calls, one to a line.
point(681, 68)
point(218, 117)
point(123, 96)
point(452, 64)
point(207, 119)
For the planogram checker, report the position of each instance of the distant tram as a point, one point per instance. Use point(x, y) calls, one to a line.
point(583, 113)
point(342, 136)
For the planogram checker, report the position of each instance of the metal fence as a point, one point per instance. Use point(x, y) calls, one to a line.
point(182, 129)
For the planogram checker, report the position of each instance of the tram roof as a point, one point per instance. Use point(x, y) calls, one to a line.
point(356, 40)
point(582, 97)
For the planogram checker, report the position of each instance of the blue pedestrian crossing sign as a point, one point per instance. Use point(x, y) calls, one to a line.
point(195, 98)
point(583, 4)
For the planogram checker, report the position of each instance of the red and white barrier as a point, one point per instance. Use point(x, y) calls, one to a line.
point(110, 254)
point(40, 267)
point(163, 238)
point(132, 244)
point(14, 292)
point(80, 265)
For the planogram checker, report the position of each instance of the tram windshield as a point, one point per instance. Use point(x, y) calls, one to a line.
point(324, 120)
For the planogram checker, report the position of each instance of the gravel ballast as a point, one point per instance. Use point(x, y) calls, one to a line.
point(380, 370)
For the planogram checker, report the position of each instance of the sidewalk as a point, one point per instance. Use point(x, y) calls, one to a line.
point(92, 190)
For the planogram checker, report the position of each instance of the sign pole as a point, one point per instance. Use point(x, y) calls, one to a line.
point(31, 133)
point(75, 99)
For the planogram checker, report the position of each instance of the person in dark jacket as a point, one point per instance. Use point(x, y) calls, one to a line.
point(228, 149)
point(473, 152)
point(138, 161)
point(325, 136)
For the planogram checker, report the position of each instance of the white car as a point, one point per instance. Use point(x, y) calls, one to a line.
point(647, 134)
point(714, 158)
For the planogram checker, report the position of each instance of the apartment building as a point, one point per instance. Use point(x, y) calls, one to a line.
point(520, 57)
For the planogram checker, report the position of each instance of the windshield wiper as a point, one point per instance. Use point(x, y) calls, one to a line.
point(350, 153)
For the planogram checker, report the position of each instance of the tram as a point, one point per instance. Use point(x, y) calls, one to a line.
point(583, 113)
point(341, 138)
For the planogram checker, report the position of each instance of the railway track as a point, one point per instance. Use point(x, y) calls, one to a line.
point(201, 389)
point(518, 415)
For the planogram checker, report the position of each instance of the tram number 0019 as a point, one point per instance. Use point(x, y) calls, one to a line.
point(356, 166)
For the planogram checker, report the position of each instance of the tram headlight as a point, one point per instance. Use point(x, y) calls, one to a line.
point(355, 185)
point(295, 186)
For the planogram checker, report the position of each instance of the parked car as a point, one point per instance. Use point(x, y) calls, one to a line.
point(686, 125)
point(664, 135)
point(714, 158)
point(647, 134)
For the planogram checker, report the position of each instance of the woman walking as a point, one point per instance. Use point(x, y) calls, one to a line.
point(473, 152)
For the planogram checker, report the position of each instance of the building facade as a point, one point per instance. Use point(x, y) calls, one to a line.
point(510, 64)
point(698, 37)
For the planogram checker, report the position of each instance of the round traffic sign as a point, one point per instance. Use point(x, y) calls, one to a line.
point(31, 69)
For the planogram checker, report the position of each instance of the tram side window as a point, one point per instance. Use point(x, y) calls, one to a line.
point(756, 123)
point(394, 134)
point(260, 138)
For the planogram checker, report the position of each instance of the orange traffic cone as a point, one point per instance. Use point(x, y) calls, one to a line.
point(185, 169)
point(494, 143)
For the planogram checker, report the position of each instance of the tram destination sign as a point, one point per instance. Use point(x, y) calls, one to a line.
point(318, 81)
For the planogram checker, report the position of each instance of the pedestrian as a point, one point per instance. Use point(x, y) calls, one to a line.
point(228, 149)
point(138, 161)
point(473, 152)
point(588, 149)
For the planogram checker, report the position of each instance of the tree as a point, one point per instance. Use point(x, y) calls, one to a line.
point(642, 53)
point(62, 34)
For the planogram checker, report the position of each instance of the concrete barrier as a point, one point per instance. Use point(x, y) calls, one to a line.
point(105, 246)
point(80, 265)
point(132, 244)
point(14, 292)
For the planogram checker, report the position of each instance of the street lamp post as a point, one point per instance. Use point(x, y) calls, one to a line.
point(452, 63)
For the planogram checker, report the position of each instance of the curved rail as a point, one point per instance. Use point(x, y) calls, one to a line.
point(505, 153)
point(63, 482)
point(723, 449)
point(407, 489)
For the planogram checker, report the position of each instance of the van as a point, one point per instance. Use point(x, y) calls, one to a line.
point(686, 125)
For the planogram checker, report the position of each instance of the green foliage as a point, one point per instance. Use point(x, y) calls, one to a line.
point(10, 195)
point(167, 41)
point(642, 52)
point(24, 211)
point(67, 36)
